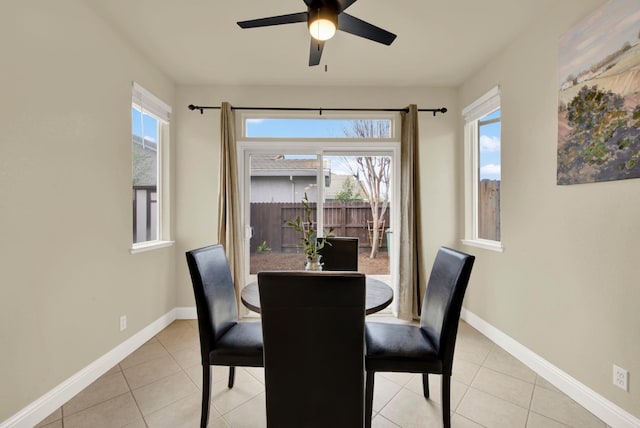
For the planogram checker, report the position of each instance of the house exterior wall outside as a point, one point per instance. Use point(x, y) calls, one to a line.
point(281, 189)
point(271, 189)
point(65, 197)
point(566, 285)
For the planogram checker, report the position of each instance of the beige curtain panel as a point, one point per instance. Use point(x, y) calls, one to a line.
point(410, 255)
point(229, 221)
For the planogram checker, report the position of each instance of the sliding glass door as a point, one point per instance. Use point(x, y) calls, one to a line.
point(350, 185)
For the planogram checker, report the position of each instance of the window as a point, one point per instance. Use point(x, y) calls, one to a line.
point(482, 171)
point(317, 128)
point(150, 138)
point(346, 165)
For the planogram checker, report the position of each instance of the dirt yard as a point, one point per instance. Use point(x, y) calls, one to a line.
point(276, 261)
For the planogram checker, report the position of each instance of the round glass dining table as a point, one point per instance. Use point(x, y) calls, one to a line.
point(378, 296)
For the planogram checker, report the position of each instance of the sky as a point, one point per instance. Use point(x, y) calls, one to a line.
point(150, 126)
point(302, 128)
point(490, 149)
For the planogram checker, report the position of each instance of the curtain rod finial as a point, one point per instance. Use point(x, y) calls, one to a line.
point(192, 108)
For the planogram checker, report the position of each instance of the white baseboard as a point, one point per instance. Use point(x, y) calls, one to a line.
point(186, 313)
point(41, 408)
point(610, 413)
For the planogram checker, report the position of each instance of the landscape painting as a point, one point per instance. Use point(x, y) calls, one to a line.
point(599, 93)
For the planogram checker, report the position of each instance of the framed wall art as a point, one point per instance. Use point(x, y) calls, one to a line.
point(598, 97)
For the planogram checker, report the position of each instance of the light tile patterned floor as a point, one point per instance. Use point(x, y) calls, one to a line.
point(159, 386)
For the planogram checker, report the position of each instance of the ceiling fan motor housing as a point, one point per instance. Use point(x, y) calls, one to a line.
point(321, 9)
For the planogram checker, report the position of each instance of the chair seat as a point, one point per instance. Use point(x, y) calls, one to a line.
point(241, 345)
point(400, 348)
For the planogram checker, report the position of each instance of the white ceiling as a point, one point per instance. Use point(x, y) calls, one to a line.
point(439, 43)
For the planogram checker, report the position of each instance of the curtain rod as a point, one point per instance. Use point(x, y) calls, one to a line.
point(319, 109)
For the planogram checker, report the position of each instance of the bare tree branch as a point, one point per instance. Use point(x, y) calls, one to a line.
point(372, 173)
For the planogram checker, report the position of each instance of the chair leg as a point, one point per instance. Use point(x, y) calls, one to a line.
point(368, 399)
point(232, 376)
point(425, 384)
point(446, 400)
point(206, 395)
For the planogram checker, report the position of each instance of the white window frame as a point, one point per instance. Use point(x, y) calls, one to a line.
point(322, 147)
point(154, 106)
point(241, 128)
point(487, 103)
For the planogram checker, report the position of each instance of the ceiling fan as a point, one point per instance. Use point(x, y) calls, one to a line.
point(323, 18)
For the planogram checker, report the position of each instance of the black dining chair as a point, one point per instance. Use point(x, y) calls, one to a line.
point(223, 340)
point(313, 329)
point(427, 348)
point(339, 253)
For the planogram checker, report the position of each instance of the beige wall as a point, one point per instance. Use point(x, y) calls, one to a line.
point(199, 141)
point(66, 273)
point(567, 284)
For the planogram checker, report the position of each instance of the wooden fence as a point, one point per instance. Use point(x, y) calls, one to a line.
point(489, 209)
point(346, 218)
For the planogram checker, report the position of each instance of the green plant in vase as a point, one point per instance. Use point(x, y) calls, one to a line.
point(309, 239)
point(263, 248)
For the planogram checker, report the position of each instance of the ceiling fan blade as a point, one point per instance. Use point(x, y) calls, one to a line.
point(358, 27)
point(274, 20)
point(315, 51)
point(344, 4)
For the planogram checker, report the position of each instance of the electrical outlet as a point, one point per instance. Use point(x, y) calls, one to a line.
point(620, 378)
point(123, 322)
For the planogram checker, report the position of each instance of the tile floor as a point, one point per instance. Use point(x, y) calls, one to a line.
point(159, 386)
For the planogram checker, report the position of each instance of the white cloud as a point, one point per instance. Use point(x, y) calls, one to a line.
point(489, 144)
point(255, 120)
point(490, 171)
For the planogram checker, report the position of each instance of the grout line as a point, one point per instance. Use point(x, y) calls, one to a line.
point(133, 395)
point(508, 375)
point(550, 418)
point(182, 370)
point(470, 419)
point(386, 419)
point(533, 391)
point(98, 404)
point(402, 387)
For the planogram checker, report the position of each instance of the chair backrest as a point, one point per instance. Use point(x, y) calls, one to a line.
point(313, 331)
point(443, 301)
point(214, 293)
point(340, 253)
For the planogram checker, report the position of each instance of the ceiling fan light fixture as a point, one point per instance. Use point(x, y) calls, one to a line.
point(322, 29)
point(324, 18)
point(322, 24)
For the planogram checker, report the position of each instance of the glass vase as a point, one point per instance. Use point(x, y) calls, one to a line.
point(313, 263)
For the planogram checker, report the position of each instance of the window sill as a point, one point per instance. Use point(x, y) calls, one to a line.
point(150, 246)
point(485, 244)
